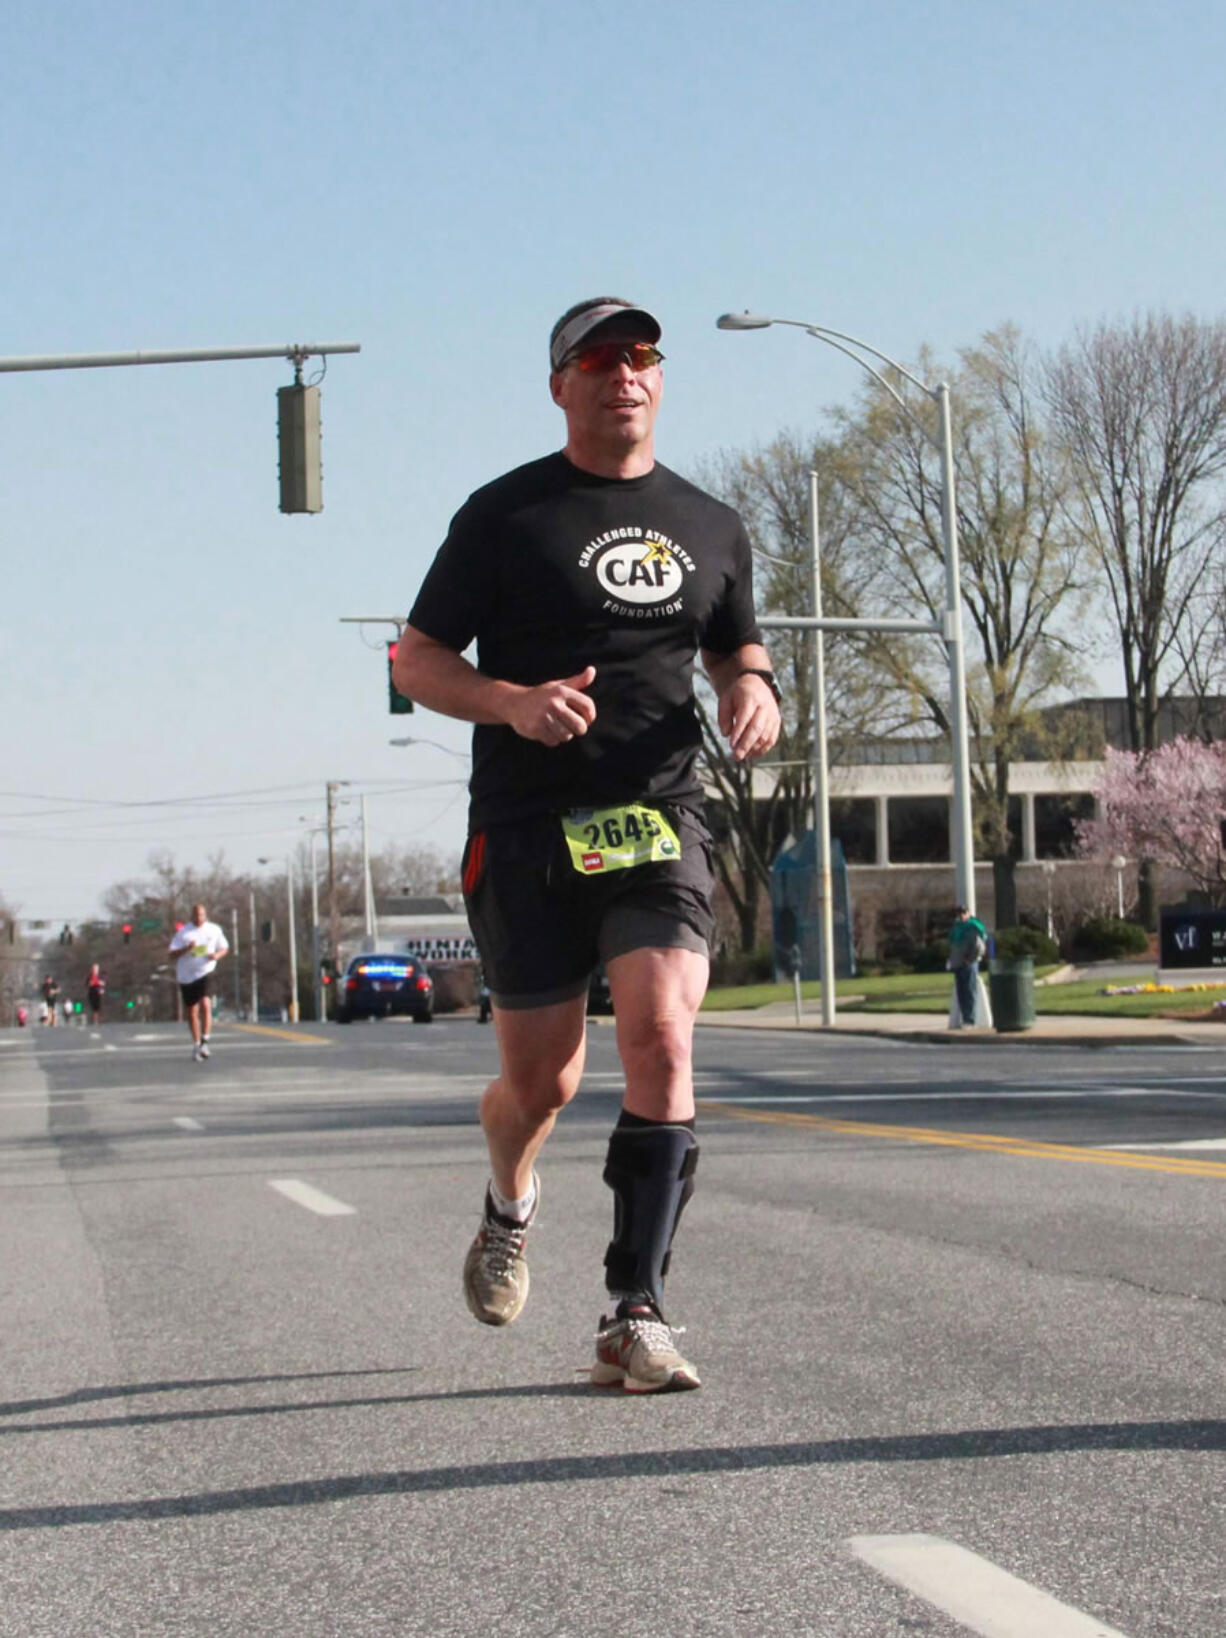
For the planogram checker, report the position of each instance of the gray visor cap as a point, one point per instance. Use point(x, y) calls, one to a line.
point(601, 314)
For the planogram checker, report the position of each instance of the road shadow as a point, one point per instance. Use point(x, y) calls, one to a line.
point(964, 1445)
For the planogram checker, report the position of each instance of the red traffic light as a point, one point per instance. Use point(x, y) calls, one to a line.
point(127, 931)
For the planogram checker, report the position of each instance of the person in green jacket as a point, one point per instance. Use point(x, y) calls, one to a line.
point(968, 944)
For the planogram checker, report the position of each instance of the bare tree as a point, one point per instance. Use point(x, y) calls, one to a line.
point(759, 808)
point(1142, 409)
point(1023, 573)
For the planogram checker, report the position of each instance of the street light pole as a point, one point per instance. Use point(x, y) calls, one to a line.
point(821, 787)
point(951, 629)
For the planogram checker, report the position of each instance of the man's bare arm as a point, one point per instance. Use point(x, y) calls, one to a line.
point(442, 680)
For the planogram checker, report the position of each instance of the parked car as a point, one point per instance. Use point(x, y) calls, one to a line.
point(376, 986)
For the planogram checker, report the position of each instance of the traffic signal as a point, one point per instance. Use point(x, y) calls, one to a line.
point(397, 703)
point(268, 931)
point(298, 443)
point(127, 932)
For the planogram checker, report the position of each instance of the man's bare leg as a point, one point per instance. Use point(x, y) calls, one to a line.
point(652, 1157)
point(656, 995)
point(542, 1051)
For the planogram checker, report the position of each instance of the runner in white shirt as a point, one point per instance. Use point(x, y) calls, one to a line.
point(199, 946)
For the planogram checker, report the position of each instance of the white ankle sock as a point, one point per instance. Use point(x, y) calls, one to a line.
point(518, 1211)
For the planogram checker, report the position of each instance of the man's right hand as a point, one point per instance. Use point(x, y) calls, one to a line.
point(554, 712)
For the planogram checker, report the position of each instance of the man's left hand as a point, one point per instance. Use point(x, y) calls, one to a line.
point(748, 717)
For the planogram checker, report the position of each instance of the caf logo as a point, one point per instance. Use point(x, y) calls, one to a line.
point(639, 571)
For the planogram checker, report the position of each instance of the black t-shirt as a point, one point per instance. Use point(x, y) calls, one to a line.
point(552, 569)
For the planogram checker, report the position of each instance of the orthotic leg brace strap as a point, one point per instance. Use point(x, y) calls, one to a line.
point(651, 1172)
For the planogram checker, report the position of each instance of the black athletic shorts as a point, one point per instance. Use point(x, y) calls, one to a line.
point(542, 928)
point(196, 990)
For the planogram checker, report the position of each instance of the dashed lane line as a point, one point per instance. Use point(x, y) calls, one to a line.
point(1178, 1143)
point(975, 1592)
point(1021, 1148)
point(302, 1194)
point(188, 1124)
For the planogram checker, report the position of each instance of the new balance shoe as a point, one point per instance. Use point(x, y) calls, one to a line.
point(636, 1350)
point(495, 1269)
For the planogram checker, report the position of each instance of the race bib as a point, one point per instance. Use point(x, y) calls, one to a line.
point(602, 839)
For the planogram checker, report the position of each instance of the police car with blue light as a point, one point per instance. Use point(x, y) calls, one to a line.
point(382, 986)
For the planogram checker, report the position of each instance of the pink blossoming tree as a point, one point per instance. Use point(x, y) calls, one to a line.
point(1167, 805)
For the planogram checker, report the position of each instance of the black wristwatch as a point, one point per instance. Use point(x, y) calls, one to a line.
point(768, 677)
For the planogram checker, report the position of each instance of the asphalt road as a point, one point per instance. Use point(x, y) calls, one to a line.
point(959, 1317)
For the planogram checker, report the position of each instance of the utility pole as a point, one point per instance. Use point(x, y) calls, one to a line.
point(255, 977)
point(238, 997)
point(334, 924)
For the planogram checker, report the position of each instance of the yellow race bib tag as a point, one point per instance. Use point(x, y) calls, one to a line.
point(603, 839)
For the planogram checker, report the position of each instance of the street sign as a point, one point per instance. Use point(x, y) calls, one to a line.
point(149, 924)
point(1193, 938)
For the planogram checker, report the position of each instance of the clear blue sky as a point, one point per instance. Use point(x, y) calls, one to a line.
point(438, 183)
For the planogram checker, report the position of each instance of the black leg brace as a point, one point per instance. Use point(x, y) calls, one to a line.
point(651, 1172)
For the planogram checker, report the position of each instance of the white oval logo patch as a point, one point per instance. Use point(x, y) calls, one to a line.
point(639, 571)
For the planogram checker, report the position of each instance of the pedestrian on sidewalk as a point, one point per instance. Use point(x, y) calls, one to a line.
point(968, 944)
point(592, 580)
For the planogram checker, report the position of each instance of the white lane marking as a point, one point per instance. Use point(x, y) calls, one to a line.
point(302, 1194)
point(1178, 1143)
point(110, 1048)
point(188, 1124)
point(985, 1599)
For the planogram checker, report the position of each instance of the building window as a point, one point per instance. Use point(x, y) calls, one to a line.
point(1055, 818)
point(918, 829)
point(853, 821)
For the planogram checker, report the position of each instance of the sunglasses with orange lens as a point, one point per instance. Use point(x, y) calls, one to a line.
point(608, 355)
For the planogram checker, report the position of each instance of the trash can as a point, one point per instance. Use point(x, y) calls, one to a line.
point(1011, 990)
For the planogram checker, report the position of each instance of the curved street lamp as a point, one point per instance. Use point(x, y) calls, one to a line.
point(951, 627)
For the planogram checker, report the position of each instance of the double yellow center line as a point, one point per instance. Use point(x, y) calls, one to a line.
point(1026, 1148)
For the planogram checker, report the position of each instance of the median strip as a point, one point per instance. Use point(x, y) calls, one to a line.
point(1018, 1147)
point(293, 1035)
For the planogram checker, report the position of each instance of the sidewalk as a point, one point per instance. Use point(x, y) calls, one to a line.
point(1056, 1030)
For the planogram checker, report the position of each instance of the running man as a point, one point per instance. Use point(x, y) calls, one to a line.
point(591, 580)
point(199, 945)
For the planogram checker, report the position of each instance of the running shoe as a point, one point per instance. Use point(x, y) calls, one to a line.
point(197, 1053)
point(636, 1349)
point(204, 1049)
point(495, 1269)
